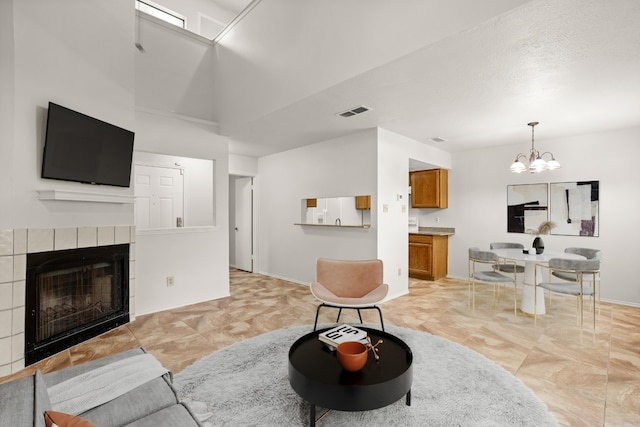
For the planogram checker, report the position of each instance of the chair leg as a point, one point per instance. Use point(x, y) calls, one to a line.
point(515, 293)
point(581, 312)
point(535, 304)
point(593, 297)
point(380, 313)
point(315, 323)
point(598, 290)
point(473, 296)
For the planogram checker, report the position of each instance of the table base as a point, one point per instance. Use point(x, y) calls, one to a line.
point(528, 304)
point(312, 410)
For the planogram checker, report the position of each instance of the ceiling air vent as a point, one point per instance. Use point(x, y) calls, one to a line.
point(354, 111)
point(437, 139)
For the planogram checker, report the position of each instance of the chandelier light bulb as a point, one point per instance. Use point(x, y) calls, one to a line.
point(518, 167)
point(538, 165)
point(553, 163)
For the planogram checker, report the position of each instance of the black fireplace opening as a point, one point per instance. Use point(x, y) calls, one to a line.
point(74, 295)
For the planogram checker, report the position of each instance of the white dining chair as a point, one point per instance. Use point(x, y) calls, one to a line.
point(588, 253)
point(578, 268)
point(479, 261)
point(508, 267)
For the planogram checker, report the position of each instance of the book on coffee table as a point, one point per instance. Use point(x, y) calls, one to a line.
point(342, 333)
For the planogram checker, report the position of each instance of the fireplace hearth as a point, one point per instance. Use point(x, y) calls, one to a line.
point(74, 295)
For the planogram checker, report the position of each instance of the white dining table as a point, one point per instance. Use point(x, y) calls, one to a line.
point(527, 303)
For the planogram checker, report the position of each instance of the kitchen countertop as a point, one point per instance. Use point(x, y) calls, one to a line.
point(435, 231)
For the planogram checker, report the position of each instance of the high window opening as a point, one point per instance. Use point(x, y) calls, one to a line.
point(161, 12)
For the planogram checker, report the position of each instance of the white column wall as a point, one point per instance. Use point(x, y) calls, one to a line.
point(7, 80)
point(394, 152)
point(198, 259)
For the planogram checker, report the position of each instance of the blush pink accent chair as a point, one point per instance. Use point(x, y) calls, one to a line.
point(349, 284)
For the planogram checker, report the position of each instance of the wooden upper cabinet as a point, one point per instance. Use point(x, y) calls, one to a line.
point(429, 188)
point(312, 203)
point(363, 202)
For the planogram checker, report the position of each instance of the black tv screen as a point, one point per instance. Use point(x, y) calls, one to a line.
point(84, 149)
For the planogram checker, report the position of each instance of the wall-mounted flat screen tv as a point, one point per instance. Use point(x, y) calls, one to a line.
point(84, 149)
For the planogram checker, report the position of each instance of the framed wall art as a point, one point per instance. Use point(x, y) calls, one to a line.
point(574, 208)
point(527, 207)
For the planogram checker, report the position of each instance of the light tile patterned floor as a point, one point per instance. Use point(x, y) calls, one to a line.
point(586, 379)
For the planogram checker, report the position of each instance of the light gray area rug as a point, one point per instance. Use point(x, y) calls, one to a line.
point(246, 384)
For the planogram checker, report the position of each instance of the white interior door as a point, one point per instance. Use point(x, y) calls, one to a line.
point(159, 197)
point(243, 224)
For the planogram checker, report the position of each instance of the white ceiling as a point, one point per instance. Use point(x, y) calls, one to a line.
point(472, 72)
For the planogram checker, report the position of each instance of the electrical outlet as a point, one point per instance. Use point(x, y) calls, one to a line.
point(170, 281)
point(399, 271)
point(437, 219)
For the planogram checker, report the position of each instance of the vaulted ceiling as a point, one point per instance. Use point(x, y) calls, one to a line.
point(473, 73)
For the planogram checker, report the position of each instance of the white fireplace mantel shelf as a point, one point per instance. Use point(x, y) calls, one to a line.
point(85, 196)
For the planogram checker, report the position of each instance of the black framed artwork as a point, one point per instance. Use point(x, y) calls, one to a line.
point(527, 207)
point(574, 208)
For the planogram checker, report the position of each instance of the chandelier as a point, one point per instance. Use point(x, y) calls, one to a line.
point(535, 161)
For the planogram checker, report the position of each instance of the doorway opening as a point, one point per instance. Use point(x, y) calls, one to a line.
point(241, 222)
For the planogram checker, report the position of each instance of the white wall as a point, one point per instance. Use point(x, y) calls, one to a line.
point(374, 161)
point(478, 191)
point(243, 165)
point(175, 73)
point(174, 111)
point(394, 152)
point(7, 75)
point(60, 54)
point(198, 259)
point(339, 167)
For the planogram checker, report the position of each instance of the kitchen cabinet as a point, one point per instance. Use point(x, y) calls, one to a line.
point(363, 202)
point(428, 256)
point(429, 188)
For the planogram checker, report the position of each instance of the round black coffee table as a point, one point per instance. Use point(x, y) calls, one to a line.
point(316, 375)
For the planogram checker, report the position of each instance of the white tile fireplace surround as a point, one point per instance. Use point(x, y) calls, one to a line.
point(14, 247)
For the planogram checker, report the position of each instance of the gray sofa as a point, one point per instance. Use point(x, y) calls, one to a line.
point(155, 403)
